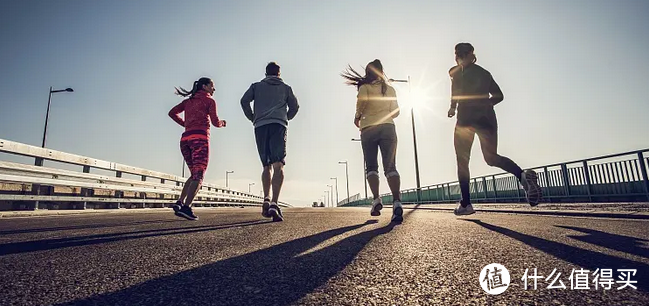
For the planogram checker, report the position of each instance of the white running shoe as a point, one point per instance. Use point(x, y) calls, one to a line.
point(377, 205)
point(464, 211)
point(397, 212)
point(532, 189)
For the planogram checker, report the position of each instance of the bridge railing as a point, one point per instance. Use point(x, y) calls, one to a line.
point(25, 186)
point(618, 177)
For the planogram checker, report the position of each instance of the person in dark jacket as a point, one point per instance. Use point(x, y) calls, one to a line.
point(474, 93)
point(275, 104)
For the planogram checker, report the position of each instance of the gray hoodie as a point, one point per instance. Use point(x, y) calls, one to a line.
point(274, 102)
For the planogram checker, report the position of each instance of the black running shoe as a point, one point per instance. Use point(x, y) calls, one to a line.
point(187, 213)
point(176, 206)
point(275, 212)
point(265, 207)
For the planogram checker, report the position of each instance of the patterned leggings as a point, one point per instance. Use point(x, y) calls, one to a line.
point(196, 153)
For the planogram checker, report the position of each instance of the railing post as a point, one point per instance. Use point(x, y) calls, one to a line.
point(566, 179)
point(484, 187)
point(589, 186)
point(643, 170)
point(547, 179)
point(85, 191)
point(493, 180)
point(118, 193)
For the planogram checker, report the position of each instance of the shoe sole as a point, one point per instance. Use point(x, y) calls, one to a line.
point(376, 211)
point(276, 216)
point(264, 210)
point(464, 214)
point(534, 193)
point(186, 216)
point(397, 215)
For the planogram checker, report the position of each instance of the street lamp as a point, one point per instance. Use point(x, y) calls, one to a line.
point(226, 177)
point(364, 170)
point(250, 184)
point(326, 195)
point(346, 176)
point(335, 178)
point(331, 197)
point(39, 161)
point(414, 134)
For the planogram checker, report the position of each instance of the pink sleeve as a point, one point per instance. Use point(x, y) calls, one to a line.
point(173, 113)
point(212, 111)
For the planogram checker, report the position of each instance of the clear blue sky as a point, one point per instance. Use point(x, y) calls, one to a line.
point(574, 74)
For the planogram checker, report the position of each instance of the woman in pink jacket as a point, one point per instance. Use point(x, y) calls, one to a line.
point(200, 109)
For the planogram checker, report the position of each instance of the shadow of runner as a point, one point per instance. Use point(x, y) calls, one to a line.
point(58, 243)
point(583, 258)
point(626, 244)
point(87, 226)
point(272, 276)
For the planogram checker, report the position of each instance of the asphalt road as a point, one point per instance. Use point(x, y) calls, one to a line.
point(318, 256)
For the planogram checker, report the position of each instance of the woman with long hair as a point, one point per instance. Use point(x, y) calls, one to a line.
point(199, 109)
point(474, 93)
point(376, 107)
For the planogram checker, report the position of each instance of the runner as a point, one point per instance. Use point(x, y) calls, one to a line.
point(474, 94)
point(275, 105)
point(200, 109)
point(376, 107)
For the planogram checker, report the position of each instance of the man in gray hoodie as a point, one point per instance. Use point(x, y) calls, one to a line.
point(275, 104)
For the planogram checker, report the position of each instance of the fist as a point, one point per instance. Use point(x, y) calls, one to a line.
point(221, 123)
point(451, 112)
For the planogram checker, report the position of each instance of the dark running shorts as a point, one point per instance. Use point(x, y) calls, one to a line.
point(195, 147)
point(271, 143)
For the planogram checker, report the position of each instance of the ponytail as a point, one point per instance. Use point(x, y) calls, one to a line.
point(198, 85)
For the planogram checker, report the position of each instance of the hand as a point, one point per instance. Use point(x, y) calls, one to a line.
point(451, 112)
point(357, 122)
point(221, 123)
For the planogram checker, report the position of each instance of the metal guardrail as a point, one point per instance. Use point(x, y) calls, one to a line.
point(36, 184)
point(618, 177)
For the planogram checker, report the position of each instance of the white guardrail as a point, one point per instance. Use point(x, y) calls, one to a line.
point(24, 186)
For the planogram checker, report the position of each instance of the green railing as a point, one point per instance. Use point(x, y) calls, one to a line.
point(618, 177)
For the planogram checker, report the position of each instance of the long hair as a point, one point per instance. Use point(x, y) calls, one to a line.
point(373, 72)
point(198, 85)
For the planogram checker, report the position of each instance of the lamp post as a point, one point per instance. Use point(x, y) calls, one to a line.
point(331, 197)
point(39, 161)
point(414, 134)
point(249, 185)
point(326, 197)
point(336, 179)
point(346, 176)
point(226, 178)
point(364, 169)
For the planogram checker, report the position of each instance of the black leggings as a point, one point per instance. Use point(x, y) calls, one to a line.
point(487, 130)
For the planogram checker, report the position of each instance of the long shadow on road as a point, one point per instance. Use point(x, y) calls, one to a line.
point(58, 243)
point(587, 259)
point(86, 226)
point(279, 275)
point(626, 244)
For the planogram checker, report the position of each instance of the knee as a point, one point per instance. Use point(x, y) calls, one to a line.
point(492, 159)
point(372, 174)
point(392, 174)
point(278, 167)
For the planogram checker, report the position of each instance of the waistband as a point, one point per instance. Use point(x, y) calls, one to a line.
point(195, 134)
